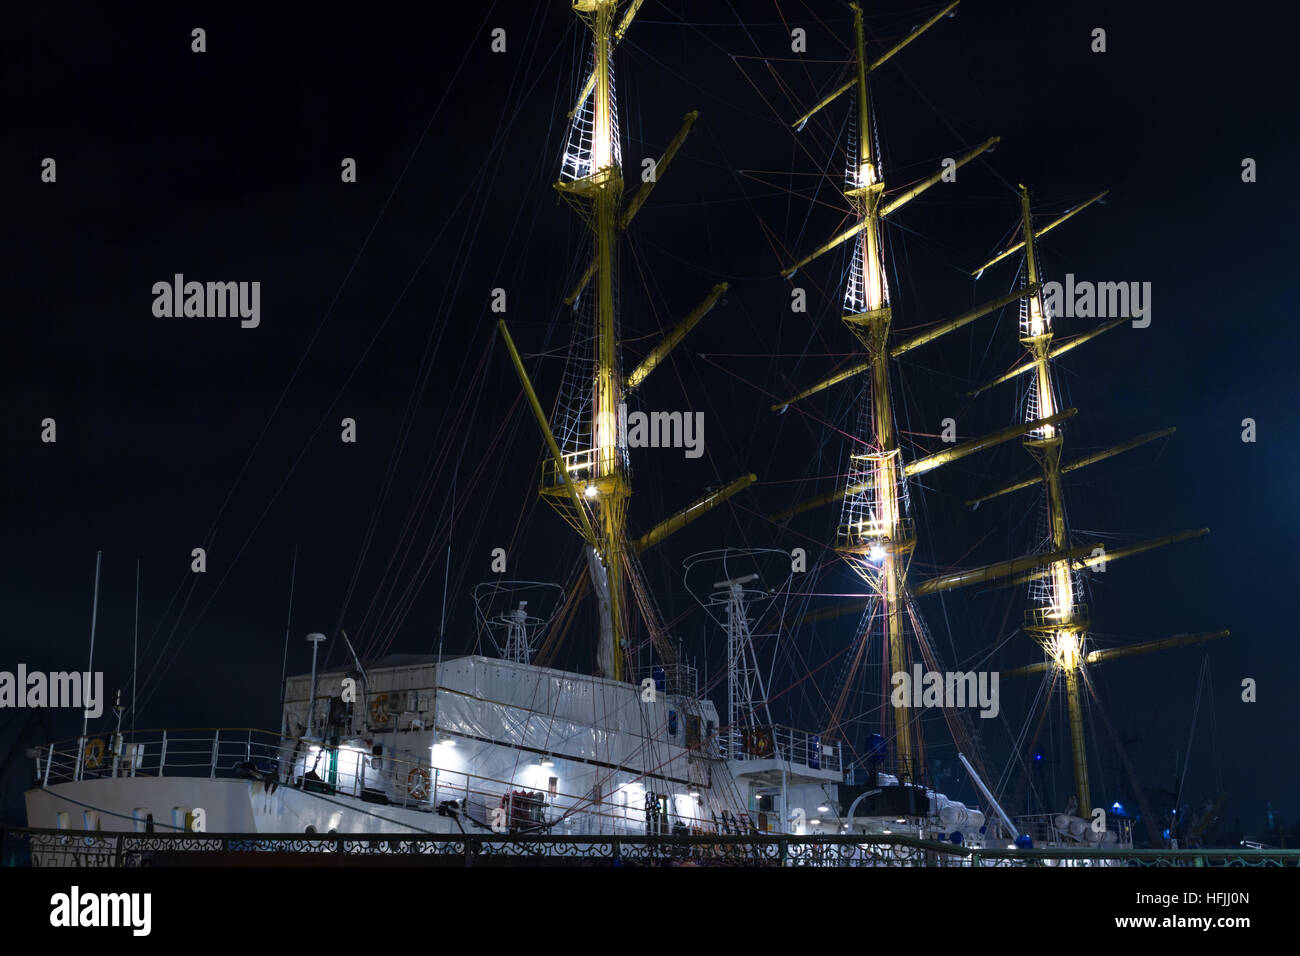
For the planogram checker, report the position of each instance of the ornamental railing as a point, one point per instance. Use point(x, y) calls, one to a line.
point(21, 846)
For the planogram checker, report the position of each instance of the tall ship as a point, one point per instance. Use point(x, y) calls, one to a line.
point(504, 742)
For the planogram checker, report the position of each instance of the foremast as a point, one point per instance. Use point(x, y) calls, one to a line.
point(593, 183)
point(586, 474)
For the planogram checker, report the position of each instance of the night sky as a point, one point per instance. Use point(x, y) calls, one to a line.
point(177, 433)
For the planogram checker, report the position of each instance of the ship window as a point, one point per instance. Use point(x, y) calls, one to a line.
point(63, 820)
point(142, 818)
point(90, 819)
point(553, 785)
point(693, 731)
point(672, 723)
point(183, 818)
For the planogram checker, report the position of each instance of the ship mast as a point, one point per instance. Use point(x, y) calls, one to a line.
point(588, 480)
point(1058, 620)
point(875, 535)
point(596, 192)
point(880, 532)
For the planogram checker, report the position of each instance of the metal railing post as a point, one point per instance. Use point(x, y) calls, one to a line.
point(216, 747)
point(81, 752)
point(48, 760)
point(162, 757)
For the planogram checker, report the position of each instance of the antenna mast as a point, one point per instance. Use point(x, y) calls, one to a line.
point(94, 618)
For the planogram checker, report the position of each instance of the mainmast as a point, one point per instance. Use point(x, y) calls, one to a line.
point(875, 535)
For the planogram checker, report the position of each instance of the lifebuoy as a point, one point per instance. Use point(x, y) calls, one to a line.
point(94, 753)
point(379, 709)
point(417, 783)
point(758, 742)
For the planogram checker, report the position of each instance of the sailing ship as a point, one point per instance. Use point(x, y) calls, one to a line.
point(510, 744)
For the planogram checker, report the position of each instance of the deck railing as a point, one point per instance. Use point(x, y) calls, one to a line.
point(396, 777)
point(184, 752)
point(789, 745)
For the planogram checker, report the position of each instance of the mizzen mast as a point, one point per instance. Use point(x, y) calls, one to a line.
point(1057, 618)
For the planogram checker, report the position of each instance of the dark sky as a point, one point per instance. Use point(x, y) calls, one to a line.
point(176, 433)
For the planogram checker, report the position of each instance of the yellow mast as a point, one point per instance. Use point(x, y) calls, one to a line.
point(590, 486)
point(1059, 621)
point(599, 190)
point(875, 535)
point(883, 538)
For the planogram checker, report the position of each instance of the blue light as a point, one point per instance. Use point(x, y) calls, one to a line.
point(1166, 834)
point(1118, 807)
point(1038, 756)
point(1024, 842)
